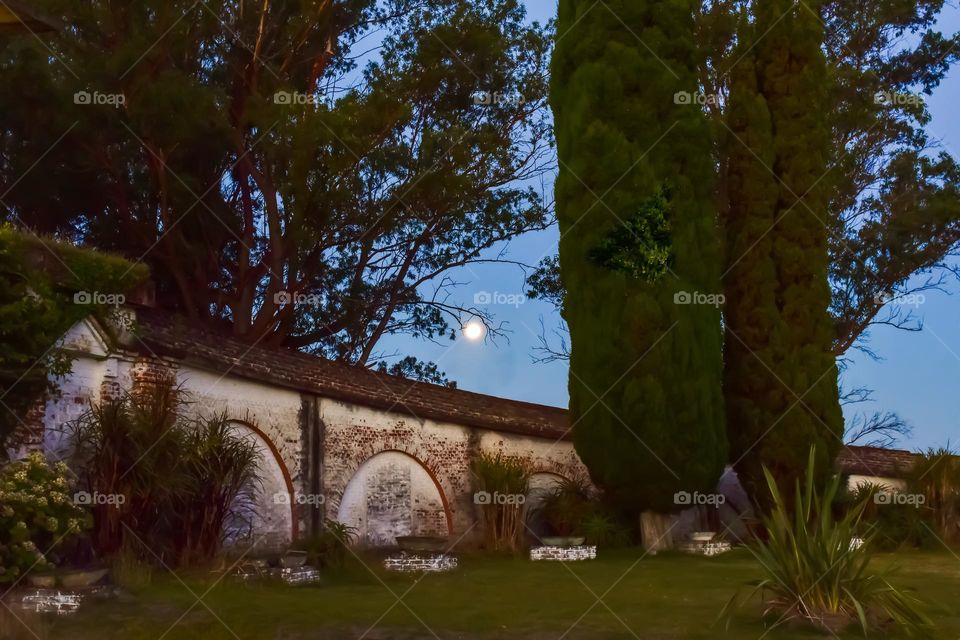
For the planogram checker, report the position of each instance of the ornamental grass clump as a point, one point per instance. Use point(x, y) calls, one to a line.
point(501, 484)
point(818, 573)
point(181, 483)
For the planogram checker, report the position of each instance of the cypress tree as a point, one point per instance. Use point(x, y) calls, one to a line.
point(638, 239)
point(780, 377)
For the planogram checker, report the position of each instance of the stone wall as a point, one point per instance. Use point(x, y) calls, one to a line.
point(388, 472)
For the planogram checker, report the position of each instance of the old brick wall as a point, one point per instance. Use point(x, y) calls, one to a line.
point(390, 472)
point(354, 436)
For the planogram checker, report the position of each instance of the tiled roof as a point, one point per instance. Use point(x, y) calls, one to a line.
point(875, 461)
point(164, 335)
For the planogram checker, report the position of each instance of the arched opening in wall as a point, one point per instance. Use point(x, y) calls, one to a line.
point(392, 494)
point(542, 484)
point(265, 521)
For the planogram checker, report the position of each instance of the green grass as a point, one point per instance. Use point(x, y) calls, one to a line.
point(670, 596)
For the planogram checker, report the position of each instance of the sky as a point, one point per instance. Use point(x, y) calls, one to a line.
point(918, 375)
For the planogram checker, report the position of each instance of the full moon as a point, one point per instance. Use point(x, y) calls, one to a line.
point(474, 330)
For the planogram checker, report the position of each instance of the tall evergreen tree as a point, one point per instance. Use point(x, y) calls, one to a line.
point(781, 376)
point(639, 239)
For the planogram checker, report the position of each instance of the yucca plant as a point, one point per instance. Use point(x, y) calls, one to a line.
point(567, 505)
point(501, 483)
point(816, 572)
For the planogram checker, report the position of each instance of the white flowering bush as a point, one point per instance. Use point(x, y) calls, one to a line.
point(37, 515)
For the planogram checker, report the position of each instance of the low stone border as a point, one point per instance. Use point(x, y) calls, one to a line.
point(707, 548)
point(415, 562)
point(564, 554)
point(56, 601)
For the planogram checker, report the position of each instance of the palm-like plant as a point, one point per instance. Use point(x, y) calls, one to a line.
point(181, 479)
point(508, 477)
point(817, 572)
point(222, 469)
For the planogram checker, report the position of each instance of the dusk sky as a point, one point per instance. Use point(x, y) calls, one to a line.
point(918, 376)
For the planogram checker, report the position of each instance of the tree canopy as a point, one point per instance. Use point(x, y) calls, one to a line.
point(302, 172)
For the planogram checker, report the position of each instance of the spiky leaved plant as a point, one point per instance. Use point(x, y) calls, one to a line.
point(817, 571)
point(503, 482)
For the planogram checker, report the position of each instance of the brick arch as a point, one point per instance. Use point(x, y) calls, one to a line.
point(419, 457)
point(287, 479)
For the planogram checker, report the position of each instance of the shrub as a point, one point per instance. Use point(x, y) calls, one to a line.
point(815, 573)
point(894, 526)
point(329, 548)
point(604, 530)
point(499, 475)
point(181, 480)
point(936, 475)
point(37, 515)
point(566, 506)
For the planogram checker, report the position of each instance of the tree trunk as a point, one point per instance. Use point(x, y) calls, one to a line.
point(655, 528)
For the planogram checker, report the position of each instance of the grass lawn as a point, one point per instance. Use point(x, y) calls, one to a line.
point(670, 596)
